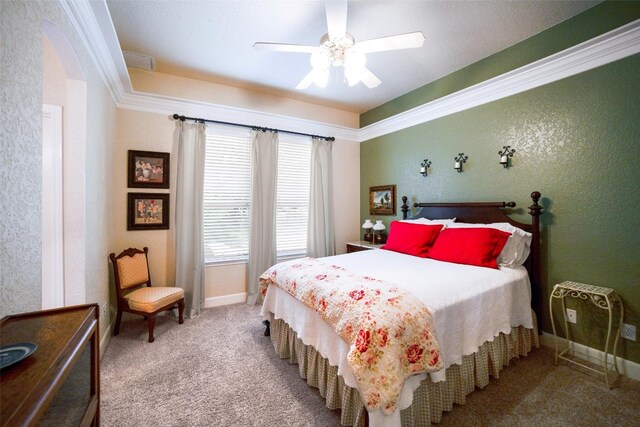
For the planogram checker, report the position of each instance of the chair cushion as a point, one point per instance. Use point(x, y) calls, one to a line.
point(151, 299)
point(133, 270)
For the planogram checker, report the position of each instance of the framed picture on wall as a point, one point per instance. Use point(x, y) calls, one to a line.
point(147, 211)
point(148, 169)
point(382, 200)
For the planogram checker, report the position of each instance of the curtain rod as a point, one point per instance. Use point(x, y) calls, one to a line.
point(263, 129)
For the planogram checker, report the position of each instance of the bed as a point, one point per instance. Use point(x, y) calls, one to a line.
point(483, 318)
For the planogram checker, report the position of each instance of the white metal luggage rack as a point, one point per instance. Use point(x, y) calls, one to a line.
point(601, 297)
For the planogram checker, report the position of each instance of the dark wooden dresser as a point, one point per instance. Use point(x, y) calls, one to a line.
point(59, 383)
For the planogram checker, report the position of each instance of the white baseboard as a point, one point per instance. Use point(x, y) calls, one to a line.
point(106, 338)
point(627, 368)
point(225, 300)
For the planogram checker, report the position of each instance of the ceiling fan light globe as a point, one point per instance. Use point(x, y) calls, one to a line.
point(320, 77)
point(355, 60)
point(352, 75)
point(319, 60)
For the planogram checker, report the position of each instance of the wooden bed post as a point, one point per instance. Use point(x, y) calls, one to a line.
point(535, 210)
point(404, 208)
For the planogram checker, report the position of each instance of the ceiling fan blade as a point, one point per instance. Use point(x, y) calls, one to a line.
point(368, 78)
point(400, 41)
point(283, 47)
point(336, 17)
point(306, 81)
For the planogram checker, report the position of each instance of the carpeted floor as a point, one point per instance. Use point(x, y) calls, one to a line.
point(219, 370)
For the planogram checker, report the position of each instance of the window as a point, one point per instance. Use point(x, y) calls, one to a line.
point(227, 192)
point(292, 212)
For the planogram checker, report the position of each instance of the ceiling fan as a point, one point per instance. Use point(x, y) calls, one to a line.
point(339, 48)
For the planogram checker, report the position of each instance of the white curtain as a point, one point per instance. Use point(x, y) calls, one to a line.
point(262, 235)
point(189, 239)
point(320, 231)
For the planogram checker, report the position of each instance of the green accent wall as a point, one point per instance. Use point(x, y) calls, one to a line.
point(577, 141)
point(595, 21)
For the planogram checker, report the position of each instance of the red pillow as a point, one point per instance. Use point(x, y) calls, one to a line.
point(472, 246)
point(411, 239)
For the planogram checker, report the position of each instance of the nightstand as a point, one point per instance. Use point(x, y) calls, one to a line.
point(361, 245)
point(603, 298)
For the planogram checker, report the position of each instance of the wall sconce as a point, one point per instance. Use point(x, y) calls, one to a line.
point(424, 167)
point(505, 155)
point(459, 161)
point(368, 235)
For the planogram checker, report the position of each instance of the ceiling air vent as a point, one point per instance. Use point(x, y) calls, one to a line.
point(139, 60)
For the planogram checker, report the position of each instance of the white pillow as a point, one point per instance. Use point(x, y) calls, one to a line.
point(428, 221)
point(517, 248)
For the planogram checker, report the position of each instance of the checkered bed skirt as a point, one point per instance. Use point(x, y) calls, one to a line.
point(430, 400)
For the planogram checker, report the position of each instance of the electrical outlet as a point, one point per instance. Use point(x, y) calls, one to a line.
point(104, 312)
point(628, 332)
point(572, 316)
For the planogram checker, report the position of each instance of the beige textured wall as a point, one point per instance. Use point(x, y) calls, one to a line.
point(346, 192)
point(197, 90)
point(224, 280)
point(148, 132)
point(154, 132)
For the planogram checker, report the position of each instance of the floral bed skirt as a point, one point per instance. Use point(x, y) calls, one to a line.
point(430, 400)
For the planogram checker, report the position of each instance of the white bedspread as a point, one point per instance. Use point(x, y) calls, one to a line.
point(469, 305)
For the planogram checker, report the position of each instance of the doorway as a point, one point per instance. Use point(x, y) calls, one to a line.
point(64, 158)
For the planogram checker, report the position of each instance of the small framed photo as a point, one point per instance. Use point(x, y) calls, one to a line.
point(148, 169)
point(382, 200)
point(147, 211)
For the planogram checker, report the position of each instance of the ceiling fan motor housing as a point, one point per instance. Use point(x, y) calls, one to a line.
point(336, 49)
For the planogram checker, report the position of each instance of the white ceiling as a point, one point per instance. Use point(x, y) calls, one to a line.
point(212, 40)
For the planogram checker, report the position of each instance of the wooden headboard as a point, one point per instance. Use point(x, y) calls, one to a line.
point(486, 213)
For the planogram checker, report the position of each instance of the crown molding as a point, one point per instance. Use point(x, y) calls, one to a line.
point(93, 24)
point(609, 47)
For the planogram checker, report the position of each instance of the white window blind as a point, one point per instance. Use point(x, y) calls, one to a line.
point(227, 192)
point(292, 211)
point(227, 189)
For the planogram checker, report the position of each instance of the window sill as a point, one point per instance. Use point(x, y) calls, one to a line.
point(286, 257)
point(289, 257)
point(208, 264)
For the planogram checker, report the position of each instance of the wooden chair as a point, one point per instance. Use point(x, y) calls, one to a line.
point(135, 293)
